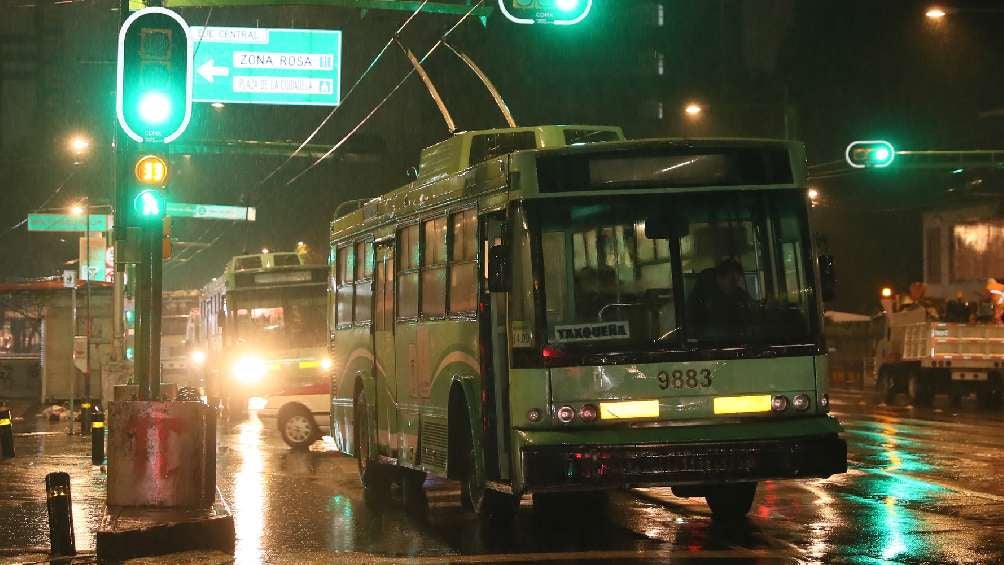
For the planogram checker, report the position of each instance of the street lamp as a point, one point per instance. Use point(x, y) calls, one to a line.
point(693, 110)
point(935, 13)
point(79, 145)
point(77, 210)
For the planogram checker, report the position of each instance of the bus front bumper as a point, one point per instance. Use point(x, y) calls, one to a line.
point(592, 466)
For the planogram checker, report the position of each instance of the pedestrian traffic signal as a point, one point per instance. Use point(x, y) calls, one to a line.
point(876, 154)
point(154, 88)
point(150, 204)
point(557, 12)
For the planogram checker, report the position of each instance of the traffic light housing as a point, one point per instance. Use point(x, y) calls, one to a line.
point(149, 202)
point(154, 82)
point(871, 154)
point(557, 12)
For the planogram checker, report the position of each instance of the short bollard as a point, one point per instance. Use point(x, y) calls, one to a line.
point(6, 434)
point(85, 417)
point(57, 494)
point(97, 438)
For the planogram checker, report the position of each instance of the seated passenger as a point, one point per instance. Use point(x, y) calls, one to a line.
point(718, 307)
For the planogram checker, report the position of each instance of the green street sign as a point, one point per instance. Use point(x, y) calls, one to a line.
point(267, 66)
point(211, 212)
point(68, 222)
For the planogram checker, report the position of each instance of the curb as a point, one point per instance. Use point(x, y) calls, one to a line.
point(131, 532)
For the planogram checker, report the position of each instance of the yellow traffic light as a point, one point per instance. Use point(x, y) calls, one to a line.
point(151, 170)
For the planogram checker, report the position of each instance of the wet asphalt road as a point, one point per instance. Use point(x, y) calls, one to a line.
point(924, 486)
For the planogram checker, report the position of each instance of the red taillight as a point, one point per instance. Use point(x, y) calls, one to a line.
point(552, 355)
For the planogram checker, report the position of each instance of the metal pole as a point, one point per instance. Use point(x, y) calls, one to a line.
point(73, 365)
point(141, 311)
point(87, 322)
point(156, 303)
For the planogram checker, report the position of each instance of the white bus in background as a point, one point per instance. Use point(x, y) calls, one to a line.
point(174, 344)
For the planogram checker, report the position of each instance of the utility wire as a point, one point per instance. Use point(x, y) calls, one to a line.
point(352, 89)
point(42, 205)
point(379, 105)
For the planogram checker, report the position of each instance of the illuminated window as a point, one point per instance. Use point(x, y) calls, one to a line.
point(463, 268)
point(407, 278)
point(434, 267)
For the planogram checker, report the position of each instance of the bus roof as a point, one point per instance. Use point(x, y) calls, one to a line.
point(448, 167)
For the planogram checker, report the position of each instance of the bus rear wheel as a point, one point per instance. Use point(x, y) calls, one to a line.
point(376, 477)
point(730, 502)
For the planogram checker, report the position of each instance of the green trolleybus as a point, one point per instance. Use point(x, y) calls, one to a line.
point(263, 328)
point(555, 309)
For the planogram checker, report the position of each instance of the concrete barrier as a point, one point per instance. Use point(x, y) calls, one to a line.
point(161, 454)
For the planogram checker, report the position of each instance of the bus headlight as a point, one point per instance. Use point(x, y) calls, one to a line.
point(779, 403)
point(198, 357)
point(326, 364)
point(249, 369)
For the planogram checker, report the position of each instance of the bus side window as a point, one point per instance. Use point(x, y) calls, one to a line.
point(343, 292)
point(463, 266)
point(407, 277)
point(364, 282)
point(434, 267)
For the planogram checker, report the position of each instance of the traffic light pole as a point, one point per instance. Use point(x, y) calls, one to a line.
point(141, 361)
point(156, 260)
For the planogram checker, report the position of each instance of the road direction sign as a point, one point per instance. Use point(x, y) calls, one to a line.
point(267, 66)
point(211, 212)
point(68, 222)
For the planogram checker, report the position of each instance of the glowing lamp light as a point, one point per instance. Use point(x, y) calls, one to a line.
point(256, 403)
point(935, 13)
point(567, 5)
point(154, 108)
point(79, 144)
point(198, 357)
point(813, 194)
point(886, 292)
point(693, 109)
point(151, 170)
point(249, 370)
point(326, 364)
point(77, 210)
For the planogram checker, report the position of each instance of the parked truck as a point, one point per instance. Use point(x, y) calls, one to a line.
point(922, 358)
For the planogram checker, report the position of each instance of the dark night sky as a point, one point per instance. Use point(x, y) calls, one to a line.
point(838, 71)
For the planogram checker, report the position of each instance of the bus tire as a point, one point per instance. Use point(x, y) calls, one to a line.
point(297, 427)
point(474, 494)
point(730, 502)
point(376, 477)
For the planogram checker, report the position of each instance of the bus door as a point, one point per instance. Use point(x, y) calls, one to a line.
point(384, 362)
point(495, 359)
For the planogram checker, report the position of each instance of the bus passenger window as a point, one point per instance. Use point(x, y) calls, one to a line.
point(343, 294)
point(363, 284)
point(407, 278)
point(434, 267)
point(463, 268)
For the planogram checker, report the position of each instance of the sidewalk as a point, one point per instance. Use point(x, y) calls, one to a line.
point(41, 448)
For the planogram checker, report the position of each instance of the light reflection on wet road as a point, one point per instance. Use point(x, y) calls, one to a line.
point(923, 486)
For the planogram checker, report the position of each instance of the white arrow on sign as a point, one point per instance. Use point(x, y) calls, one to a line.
point(210, 72)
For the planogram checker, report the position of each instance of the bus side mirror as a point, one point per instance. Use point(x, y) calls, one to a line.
point(827, 278)
point(498, 269)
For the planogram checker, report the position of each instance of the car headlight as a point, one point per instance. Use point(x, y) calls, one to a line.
point(249, 370)
point(326, 364)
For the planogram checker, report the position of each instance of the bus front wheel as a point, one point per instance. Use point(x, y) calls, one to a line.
point(474, 494)
point(730, 501)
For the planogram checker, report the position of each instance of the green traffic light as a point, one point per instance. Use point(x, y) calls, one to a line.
point(150, 204)
point(154, 108)
point(872, 154)
point(567, 5)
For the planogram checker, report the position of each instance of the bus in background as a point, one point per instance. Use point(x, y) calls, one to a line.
point(174, 345)
point(263, 342)
point(541, 313)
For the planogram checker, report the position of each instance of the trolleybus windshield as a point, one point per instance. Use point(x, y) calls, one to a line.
point(281, 318)
point(677, 270)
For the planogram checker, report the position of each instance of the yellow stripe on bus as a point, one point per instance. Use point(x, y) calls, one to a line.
point(629, 409)
point(742, 404)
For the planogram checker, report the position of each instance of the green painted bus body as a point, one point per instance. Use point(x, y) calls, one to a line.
point(431, 359)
